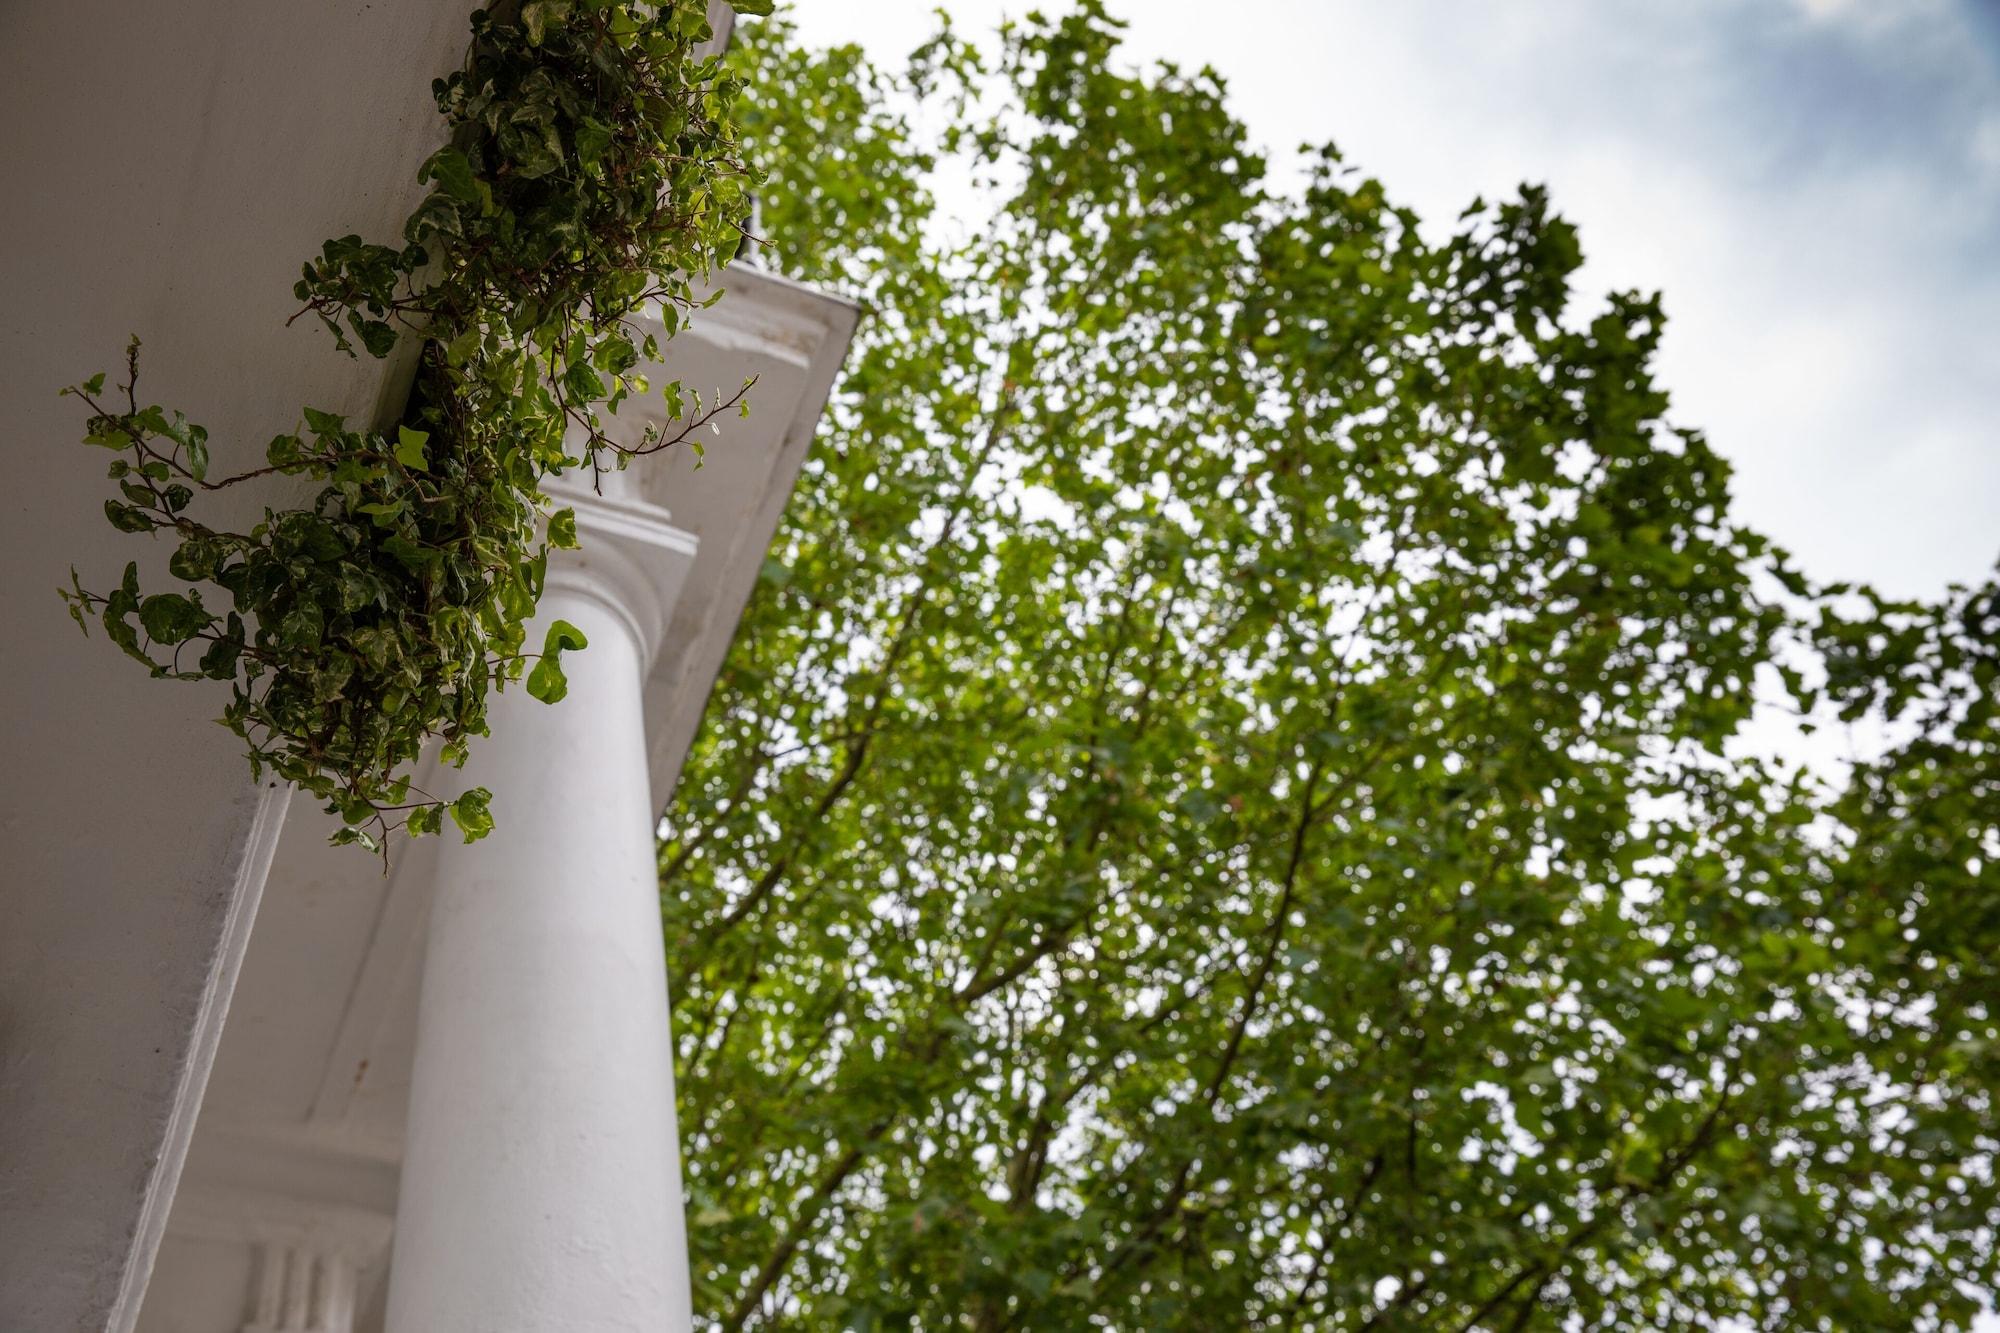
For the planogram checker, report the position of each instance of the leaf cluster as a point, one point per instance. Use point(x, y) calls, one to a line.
point(591, 181)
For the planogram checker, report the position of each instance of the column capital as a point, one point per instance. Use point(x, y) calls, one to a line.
point(632, 559)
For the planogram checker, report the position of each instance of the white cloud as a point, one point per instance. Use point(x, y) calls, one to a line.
point(1812, 184)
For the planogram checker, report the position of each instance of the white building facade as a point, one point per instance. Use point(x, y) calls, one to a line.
point(249, 1083)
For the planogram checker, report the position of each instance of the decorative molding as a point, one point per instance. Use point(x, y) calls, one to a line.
point(302, 1290)
point(239, 1162)
point(633, 560)
point(310, 1254)
point(245, 890)
point(820, 327)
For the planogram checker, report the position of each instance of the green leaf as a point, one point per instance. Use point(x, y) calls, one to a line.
point(322, 423)
point(592, 138)
point(170, 618)
point(416, 558)
point(302, 627)
point(463, 346)
point(410, 449)
point(126, 518)
point(546, 680)
point(219, 662)
point(122, 632)
point(471, 814)
point(759, 8)
point(376, 335)
point(562, 529)
point(537, 15)
point(77, 600)
point(354, 837)
point(195, 560)
point(563, 635)
point(452, 170)
point(583, 383)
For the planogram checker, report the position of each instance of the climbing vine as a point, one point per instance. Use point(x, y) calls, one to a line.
point(591, 182)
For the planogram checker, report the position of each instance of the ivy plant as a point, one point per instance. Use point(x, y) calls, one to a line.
point(590, 184)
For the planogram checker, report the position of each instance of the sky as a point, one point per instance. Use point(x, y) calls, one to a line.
point(1813, 184)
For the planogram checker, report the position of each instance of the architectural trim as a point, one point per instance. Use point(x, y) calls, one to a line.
point(309, 1255)
point(632, 561)
point(252, 1161)
point(779, 317)
point(246, 889)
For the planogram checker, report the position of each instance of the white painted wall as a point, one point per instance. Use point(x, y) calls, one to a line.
point(167, 166)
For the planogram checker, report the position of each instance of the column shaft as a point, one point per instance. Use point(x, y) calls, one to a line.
point(541, 1180)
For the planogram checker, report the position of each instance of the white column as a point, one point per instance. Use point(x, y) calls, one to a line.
point(541, 1184)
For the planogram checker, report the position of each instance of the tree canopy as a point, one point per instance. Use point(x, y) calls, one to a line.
point(1229, 807)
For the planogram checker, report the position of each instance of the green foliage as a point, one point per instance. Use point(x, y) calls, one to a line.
point(546, 680)
point(1227, 809)
point(590, 181)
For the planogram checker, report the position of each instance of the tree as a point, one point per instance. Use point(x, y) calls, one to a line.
point(1227, 807)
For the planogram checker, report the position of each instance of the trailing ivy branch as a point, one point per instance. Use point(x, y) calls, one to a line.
point(591, 180)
